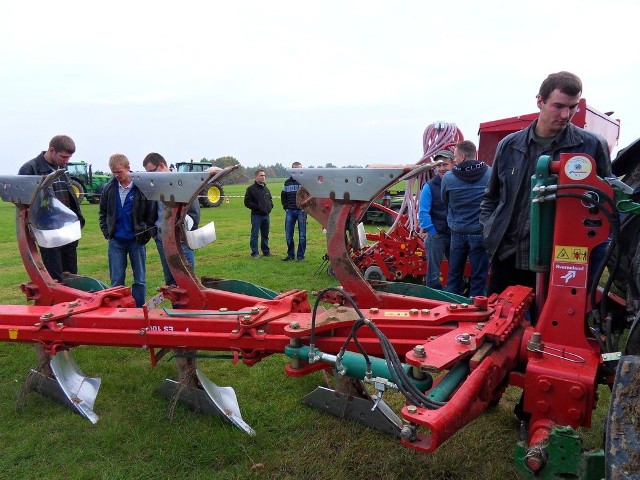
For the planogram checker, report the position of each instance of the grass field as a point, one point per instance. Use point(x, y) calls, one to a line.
point(135, 439)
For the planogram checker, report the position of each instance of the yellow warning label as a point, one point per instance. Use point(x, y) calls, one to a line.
point(13, 334)
point(565, 253)
point(396, 314)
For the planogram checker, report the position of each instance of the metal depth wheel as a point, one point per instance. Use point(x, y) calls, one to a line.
point(374, 272)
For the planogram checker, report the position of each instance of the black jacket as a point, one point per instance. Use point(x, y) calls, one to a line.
point(145, 213)
point(289, 193)
point(61, 188)
point(500, 202)
point(258, 199)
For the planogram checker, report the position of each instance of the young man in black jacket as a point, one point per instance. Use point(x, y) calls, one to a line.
point(258, 199)
point(61, 147)
point(154, 162)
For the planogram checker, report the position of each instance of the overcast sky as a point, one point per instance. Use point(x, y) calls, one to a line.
point(347, 82)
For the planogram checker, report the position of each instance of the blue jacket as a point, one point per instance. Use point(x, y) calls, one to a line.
point(144, 213)
point(433, 212)
point(462, 190)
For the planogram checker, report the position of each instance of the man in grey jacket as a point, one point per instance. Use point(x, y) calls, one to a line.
point(505, 207)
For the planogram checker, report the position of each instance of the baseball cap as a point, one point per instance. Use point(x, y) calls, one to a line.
point(444, 153)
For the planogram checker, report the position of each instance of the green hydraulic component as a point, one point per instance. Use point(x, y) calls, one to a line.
point(420, 291)
point(542, 218)
point(354, 365)
point(84, 283)
point(563, 457)
point(239, 286)
point(452, 380)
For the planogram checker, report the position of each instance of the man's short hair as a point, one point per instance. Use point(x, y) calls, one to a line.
point(257, 172)
point(63, 143)
point(467, 148)
point(567, 82)
point(154, 159)
point(296, 165)
point(118, 160)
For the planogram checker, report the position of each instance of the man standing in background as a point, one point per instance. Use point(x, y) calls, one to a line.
point(293, 215)
point(61, 147)
point(462, 190)
point(258, 199)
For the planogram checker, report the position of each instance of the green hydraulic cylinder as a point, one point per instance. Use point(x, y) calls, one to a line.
point(354, 366)
point(542, 217)
point(450, 382)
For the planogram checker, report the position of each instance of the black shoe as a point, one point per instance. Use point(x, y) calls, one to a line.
point(287, 259)
point(268, 254)
point(255, 255)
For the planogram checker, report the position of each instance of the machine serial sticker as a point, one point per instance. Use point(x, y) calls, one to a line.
point(565, 253)
point(577, 168)
point(396, 314)
point(569, 275)
point(13, 334)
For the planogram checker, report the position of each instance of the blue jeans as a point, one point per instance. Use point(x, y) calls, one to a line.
point(437, 248)
point(259, 224)
point(463, 245)
point(188, 253)
point(292, 216)
point(118, 252)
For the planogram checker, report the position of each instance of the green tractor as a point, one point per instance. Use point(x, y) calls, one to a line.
point(213, 194)
point(85, 183)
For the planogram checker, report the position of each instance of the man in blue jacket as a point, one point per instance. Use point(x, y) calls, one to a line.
point(505, 207)
point(462, 190)
point(127, 219)
point(432, 216)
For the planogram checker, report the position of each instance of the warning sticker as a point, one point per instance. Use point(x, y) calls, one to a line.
point(565, 253)
point(569, 275)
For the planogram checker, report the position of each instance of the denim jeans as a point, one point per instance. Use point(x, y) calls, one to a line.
point(292, 216)
point(137, 253)
point(188, 253)
point(463, 245)
point(437, 248)
point(259, 224)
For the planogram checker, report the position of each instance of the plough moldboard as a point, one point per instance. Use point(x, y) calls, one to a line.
point(382, 335)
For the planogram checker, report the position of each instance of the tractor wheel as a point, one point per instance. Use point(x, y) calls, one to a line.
point(78, 190)
point(373, 273)
point(212, 196)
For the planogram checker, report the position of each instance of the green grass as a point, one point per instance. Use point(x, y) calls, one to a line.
point(134, 438)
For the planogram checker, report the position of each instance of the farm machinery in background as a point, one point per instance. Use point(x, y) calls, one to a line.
point(397, 253)
point(450, 357)
point(213, 194)
point(85, 183)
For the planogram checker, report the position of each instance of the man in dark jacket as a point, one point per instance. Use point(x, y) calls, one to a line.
point(127, 219)
point(61, 147)
point(293, 214)
point(505, 207)
point(154, 162)
point(432, 215)
point(462, 190)
point(258, 199)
